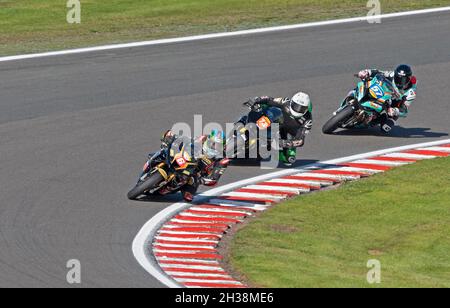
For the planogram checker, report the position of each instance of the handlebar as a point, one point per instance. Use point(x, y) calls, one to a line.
point(247, 104)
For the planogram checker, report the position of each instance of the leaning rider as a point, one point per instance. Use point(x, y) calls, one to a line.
point(298, 120)
point(406, 85)
point(211, 164)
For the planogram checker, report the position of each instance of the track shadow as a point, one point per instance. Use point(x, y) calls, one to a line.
point(173, 198)
point(257, 163)
point(300, 163)
point(245, 163)
point(397, 132)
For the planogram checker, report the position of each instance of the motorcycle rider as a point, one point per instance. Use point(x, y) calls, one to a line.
point(406, 85)
point(298, 120)
point(211, 166)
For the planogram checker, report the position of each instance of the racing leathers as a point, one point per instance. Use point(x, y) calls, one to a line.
point(400, 105)
point(294, 128)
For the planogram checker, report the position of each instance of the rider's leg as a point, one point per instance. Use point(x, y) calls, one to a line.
point(189, 190)
point(387, 124)
point(288, 156)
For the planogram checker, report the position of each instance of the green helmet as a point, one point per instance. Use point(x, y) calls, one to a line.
point(214, 144)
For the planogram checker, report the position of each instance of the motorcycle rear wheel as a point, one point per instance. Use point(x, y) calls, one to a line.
point(141, 188)
point(335, 122)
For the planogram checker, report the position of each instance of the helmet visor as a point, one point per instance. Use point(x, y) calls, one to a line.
point(299, 108)
point(402, 81)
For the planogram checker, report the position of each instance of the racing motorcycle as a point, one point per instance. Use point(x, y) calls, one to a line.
point(245, 140)
point(166, 171)
point(365, 106)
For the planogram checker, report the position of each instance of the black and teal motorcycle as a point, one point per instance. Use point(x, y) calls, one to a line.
point(366, 106)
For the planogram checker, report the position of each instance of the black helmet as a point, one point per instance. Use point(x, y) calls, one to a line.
point(403, 75)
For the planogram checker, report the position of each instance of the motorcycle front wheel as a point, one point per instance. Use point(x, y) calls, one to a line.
point(143, 187)
point(335, 122)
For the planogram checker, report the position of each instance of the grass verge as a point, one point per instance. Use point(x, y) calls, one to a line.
point(33, 26)
point(325, 239)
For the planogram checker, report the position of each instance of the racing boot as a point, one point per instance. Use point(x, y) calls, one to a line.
point(187, 196)
point(288, 156)
point(387, 125)
point(189, 190)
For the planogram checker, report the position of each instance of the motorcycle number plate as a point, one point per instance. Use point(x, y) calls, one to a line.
point(264, 123)
point(181, 162)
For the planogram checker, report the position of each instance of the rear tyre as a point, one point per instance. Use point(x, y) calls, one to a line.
point(141, 188)
point(335, 122)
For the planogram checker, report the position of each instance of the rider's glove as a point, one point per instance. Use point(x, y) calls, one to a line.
point(224, 162)
point(255, 100)
point(164, 146)
point(365, 74)
point(285, 144)
point(297, 143)
point(255, 104)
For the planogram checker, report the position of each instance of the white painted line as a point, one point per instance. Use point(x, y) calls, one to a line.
point(149, 230)
point(313, 183)
point(185, 246)
point(289, 181)
point(254, 195)
point(161, 261)
point(360, 169)
point(321, 175)
point(238, 204)
point(212, 216)
point(212, 211)
point(218, 281)
point(381, 162)
point(179, 251)
point(199, 274)
point(342, 177)
point(169, 267)
point(437, 149)
point(190, 233)
point(412, 156)
point(280, 189)
point(230, 205)
point(185, 240)
point(222, 35)
point(323, 182)
point(176, 222)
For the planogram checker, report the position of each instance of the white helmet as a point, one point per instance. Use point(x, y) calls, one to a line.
point(300, 104)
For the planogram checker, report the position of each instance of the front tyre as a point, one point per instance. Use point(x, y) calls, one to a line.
point(335, 122)
point(143, 187)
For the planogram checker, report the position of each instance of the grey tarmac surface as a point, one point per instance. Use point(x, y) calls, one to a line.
point(75, 130)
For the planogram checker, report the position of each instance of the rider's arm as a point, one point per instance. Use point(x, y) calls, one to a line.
point(215, 173)
point(371, 73)
point(299, 139)
point(270, 101)
point(407, 100)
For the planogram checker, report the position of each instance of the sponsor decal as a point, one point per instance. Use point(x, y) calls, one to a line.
point(264, 123)
point(181, 162)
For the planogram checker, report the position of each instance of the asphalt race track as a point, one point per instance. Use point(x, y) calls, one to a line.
point(75, 130)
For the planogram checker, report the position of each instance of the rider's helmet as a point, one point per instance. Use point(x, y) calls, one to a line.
point(214, 144)
point(300, 104)
point(402, 76)
point(168, 138)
